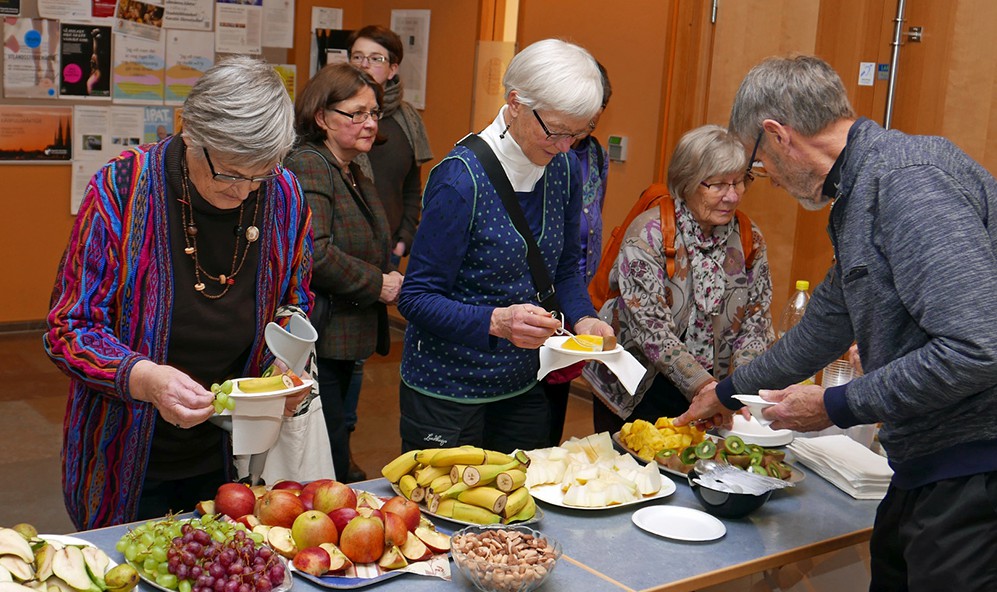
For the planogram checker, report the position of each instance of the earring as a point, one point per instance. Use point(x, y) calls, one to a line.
point(502, 135)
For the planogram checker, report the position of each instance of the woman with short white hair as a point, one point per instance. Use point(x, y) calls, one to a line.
point(476, 312)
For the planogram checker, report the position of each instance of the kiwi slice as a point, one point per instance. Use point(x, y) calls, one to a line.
point(688, 456)
point(706, 449)
point(734, 445)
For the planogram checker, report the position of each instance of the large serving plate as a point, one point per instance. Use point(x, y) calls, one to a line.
point(552, 494)
point(283, 587)
point(795, 475)
point(536, 517)
point(368, 575)
point(556, 343)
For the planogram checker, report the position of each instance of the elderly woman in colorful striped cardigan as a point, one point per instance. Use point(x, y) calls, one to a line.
point(182, 252)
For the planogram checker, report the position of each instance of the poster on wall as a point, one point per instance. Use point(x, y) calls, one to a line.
point(279, 17)
point(158, 124)
point(413, 27)
point(324, 20)
point(30, 58)
point(288, 73)
point(139, 70)
point(64, 9)
point(85, 58)
point(189, 54)
point(238, 27)
point(143, 20)
point(194, 15)
point(39, 134)
point(103, 8)
point(10, 7)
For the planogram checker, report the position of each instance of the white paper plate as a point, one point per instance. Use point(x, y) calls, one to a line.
point(553, 495)
point(238, 394)
point(681, 524)
point(753, 432)
point(556, 343)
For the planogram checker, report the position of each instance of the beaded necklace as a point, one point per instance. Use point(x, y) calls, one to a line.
point(190, 239)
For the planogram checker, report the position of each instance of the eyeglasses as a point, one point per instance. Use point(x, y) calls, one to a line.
point(226, 178)
point(753, 170)
point(360, 116)
point(358, 58)
point(739, 186)
point(554, 138)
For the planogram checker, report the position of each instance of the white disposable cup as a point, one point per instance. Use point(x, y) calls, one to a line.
point(292, 345)
point(837, 373)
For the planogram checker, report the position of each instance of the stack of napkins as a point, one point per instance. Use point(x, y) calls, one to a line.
point(851, 467)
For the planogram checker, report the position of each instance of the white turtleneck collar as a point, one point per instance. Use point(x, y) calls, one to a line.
point(522, 173)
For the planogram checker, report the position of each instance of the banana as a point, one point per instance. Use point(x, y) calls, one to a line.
point(403, 464)
point(510, 480)
point(444, 507)
point(528, 511)
point(488, 498)
point(426, 455)
point(454, 490)
point(497, 458)
point(427, 475)
point(263, 385)
point(478, 475)
point(469, 513)
point(456, 472)
point(469, 455)
point(441, 484)
point(516, 501)
point(410, 489)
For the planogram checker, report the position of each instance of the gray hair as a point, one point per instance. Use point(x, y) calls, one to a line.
point(803, 92)
point(555, 75)
point(239, 108)
point(702, 153)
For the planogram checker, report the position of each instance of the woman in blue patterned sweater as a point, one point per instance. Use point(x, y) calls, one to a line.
point(469, 367)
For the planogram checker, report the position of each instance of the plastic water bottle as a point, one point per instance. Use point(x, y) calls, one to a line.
point(797, 304)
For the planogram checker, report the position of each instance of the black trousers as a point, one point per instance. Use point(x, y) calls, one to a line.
point(941, 536)
point(517, 422)
point(557, 399)
point(160, 498)
point(663, 399)
point(333, 383)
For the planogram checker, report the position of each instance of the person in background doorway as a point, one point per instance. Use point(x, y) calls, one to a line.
point(914, 284)
point(336, 116)
point(394, 164)
point(594, 164)
point(181, 254)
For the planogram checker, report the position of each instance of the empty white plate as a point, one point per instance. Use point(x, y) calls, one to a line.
point(682, 524)
point(755, 404)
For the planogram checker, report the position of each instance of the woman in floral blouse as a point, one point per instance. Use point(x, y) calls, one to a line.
point(712, 315)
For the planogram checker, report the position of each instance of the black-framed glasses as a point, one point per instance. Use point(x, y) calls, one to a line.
point(226, 178)
point(359, 116)
point(358, 59)
point(756, 171)
point(721, 188)
point(553, 138)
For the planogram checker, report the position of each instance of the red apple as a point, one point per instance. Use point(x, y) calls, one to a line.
point(313, 560)
point(342, 517)
point(368, 499)
point(250, 521)
point(362, 540)
point(407, 509)
point(311, 486)
point(414, 549)
point(287, 484)
point(234, 500)
point(307, 498)
point(434, 539)
point(205, 507)
point(333, 495)
point(371, 513)
point(258, 490)
point(392, 558)
point(279, 508)
point(395, 531)
point(312, 528)
point(339, 562)
point(281, 540)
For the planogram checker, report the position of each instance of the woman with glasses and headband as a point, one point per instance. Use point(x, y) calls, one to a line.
point(337, 116)
point(181, 254)
point(470, 363)
point(712, 314)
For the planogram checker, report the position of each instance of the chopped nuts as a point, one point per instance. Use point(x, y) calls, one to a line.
point(505, 560)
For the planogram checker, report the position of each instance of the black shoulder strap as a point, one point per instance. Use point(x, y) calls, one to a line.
point(546, 295)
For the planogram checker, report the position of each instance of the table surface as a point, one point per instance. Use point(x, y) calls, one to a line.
point(604, 550)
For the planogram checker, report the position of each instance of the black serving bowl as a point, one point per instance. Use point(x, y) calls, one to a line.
point(724, 504)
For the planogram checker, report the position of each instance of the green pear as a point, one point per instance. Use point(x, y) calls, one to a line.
point(28, 531)
point(43, 561)
point(55, 584)
point(5, 575)
point(12, 543)
point(121, 578)
point(97, 562)
point(14, 587)
point(20, 569)
point(69, 565)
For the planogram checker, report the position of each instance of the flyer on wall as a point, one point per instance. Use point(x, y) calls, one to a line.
point(85, 56)
point(324, 20)
point(189, 54)
point(279, 17)
point(30, 133)
point(77, 10)
point(288, 73)
point(142, 20)
point(158, 124)
point(30, 58)
point(10, 7)
point(193, 15)
point(103, 8)
point(238, 27)
point(139, 70)
point(413, 27)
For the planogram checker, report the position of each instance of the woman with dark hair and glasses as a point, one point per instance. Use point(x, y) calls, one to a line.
point(336, 116)
point(710, 316)
point(181, 254)
point(469, 368)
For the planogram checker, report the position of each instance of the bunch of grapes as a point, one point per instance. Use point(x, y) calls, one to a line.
point(223, 400)
point(202, 555)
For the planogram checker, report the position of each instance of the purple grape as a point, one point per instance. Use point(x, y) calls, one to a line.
point(202, 537)
point(219, 585)
point(264, 585)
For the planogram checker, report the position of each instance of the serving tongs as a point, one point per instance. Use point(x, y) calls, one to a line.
point(726, 477)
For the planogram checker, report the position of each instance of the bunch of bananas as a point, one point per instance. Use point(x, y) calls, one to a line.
point(465, 483)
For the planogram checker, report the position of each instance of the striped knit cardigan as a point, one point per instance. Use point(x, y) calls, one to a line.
point(112, 306)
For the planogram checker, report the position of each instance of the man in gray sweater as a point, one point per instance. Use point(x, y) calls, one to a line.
point(914, 283)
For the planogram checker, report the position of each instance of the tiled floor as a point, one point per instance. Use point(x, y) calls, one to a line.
point(33, 400)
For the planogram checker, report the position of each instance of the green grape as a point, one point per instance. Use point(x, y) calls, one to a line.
point(227, 387)
point(121, 544)
point(163, 568)
point(149, 565)
point(167, 580)
point(131, 551)
point(215, 387)
point(158, 552)
point(147, 539)
point(257, 537)
point(218, 407)
point(230, 404)
point(184, 586)
point(218, 536)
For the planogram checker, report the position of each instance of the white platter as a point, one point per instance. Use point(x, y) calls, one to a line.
point(556, 343)
point(681, 524)
point(552, 494)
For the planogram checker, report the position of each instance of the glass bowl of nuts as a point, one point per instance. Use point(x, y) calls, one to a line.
point(498, 558)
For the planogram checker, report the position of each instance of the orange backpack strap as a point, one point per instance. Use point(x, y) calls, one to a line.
point(747, 238)
point(667, 212)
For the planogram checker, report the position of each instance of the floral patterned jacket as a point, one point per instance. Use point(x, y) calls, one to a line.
point(651, 314)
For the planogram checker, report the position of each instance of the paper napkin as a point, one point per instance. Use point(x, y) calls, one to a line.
point(621, 362)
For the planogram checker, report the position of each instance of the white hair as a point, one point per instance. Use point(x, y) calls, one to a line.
point(555, 75)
